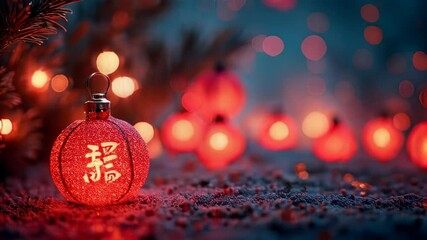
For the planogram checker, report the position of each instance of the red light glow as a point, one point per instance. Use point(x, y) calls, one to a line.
point(273, 45)
point(281, 5)
point(370, 13)
point(215, 93)
point(221, 145)
point(381, 139)
point(182, 132)
point(373, 35)
point(313, 47)
point(419, 60)
point(277, 132)
point(401, 121)
point(338, 145)
point(315, 124)
point(417, 144)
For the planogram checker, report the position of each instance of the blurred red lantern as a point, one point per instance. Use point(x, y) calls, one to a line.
point(219, 92)
point(101, 160)
point(221, 144)
point(182, 132)
point(381, 139)
point(277, 132)
point(338, 144)
point(417, 144)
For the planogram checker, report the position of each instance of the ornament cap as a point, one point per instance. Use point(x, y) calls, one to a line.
point(98, 102)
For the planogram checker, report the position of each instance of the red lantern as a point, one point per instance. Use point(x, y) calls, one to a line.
point(182, 132)
point(338, 144)
point(101, 160)
point(417, 144)
point(381, 139)
point(221, 144)
point(277, 132)
point(219, 92)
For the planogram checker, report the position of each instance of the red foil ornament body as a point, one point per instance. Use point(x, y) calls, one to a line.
point(221, 145)
point(337, 145)
point(381, 139)
point(417, 144)
point(101, 160)
point(277, 132)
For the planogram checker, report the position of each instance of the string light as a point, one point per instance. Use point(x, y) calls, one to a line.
point(107, 62)
point(123, 86)
point(146, 130)
point(59, 83)
point(6, 126)
point(39, 79)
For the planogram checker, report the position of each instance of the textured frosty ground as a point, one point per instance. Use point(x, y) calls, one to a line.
point(261, 197)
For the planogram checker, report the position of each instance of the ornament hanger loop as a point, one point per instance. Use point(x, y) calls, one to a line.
point(93, 76)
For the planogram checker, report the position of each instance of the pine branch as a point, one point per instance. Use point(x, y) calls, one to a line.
point(8, 96)
point(30, 20)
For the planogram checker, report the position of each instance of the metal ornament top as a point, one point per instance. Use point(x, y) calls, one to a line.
point(98, 102)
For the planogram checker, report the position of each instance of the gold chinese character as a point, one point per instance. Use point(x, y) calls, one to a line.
point(96, 163)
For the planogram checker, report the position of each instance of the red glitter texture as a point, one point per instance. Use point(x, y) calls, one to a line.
point(69, 162)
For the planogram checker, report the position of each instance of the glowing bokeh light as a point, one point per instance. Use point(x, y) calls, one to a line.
point(315, 124)
point(146, 130)
point(318, 22)
point(419, 60)
point(123, 86)
point(281, 5)
point(107, 62)
point(39, 79)
point(406, 88)
point(183, 130)
point(381, 137)
point(279, 131)
point(373, 35)
point(218, 141)
point(370, 13)
point(59, 83)
point(257, 42)
point(6, 126)
point(313, 47)
point(423, 97)
point(401, 121)
point(273, 45)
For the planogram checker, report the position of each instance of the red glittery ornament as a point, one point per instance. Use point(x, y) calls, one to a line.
point(101, 160)
point(217, 92)
point(337, 145)
point(182, 132)
point(221, 144)
point(417, 144)
point(277, 132)
point(381, 139)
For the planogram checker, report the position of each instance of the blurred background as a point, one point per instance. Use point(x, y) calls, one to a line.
point(355, 60)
